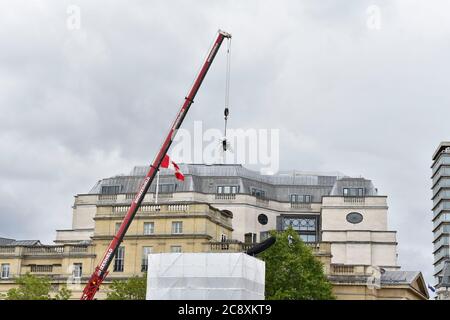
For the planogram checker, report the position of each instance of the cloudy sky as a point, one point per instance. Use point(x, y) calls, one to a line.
point(348, 94)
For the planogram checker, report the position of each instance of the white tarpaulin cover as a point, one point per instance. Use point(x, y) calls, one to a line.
point(205, 276)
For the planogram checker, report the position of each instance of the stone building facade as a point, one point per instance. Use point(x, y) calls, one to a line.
point(343, 219)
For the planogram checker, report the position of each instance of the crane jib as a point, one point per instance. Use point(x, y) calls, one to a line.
point(140, 193)
point(101, 272)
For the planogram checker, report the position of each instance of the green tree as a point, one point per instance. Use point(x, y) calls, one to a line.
point(292, 271)
point(63, 294)
point(31, 287)
point(131, 289)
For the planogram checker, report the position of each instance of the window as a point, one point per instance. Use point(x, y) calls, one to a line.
point(306, 226)
point(250, 238)
point(296, 198)
point(228, 189)
point(262, 219)
point(149, 228)
point(300, 224)
point(111, 189)
point(175, 249)
point(119, 259)
point(145, 252)
point(117, 226)
point(354, 217)
point(167, 188)
point(77, 270)
point(354, 192)
point(177, 227)
point(258, 193)
point(5, 271)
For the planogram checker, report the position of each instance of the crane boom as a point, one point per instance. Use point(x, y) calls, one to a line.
point(101, 271)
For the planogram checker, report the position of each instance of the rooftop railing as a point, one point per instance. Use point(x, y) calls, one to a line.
point(354, 200)
point(225, 196)
point(107, 197)
point(178, 207)
point(188, 196)
point(346, 270)
point(238, 246)
point(342, 269)
point(43, 250)
point(7, 249)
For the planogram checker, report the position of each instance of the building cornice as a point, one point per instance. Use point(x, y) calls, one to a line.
point(156, 236)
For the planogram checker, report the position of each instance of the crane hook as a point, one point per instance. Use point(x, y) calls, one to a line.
point(226, 112)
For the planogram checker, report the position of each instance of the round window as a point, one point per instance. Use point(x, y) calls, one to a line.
point(354, 217)
point(262, 218)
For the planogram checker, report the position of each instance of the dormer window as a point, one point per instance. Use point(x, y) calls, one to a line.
point(111, 189)
point(228, 189)
point(354, 192)
point(167, 187)
point(296, 198)
point(258, 193)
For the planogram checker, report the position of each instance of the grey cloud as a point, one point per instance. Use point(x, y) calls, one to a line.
point(80, 105)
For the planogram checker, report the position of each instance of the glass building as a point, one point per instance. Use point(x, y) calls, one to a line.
point(441, 207)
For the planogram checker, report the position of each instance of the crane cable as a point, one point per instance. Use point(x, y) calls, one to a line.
point(227, 84)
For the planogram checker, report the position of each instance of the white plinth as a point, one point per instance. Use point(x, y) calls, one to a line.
point(205, 276)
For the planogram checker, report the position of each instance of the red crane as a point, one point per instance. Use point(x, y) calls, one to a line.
point(101, 271)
